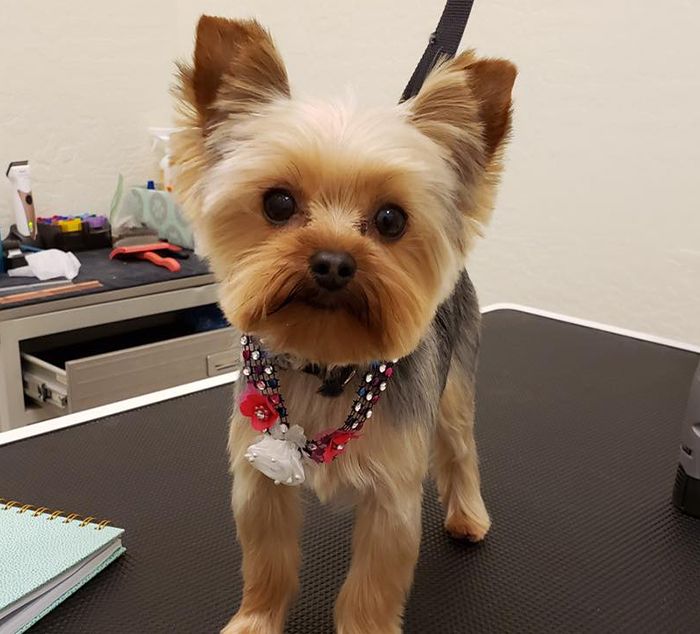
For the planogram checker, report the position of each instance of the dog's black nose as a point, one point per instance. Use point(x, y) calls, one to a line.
point(332, 270)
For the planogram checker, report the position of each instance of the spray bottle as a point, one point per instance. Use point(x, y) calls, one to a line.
point(161, 140)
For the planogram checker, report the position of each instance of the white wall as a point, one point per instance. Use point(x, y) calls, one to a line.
point(599, 214)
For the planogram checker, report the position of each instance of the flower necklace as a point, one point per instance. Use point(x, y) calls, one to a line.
point(280, 451)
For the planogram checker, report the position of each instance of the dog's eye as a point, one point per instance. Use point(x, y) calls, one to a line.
point(279, 206)
point(390, 221)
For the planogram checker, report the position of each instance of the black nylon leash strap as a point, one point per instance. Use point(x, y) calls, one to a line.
point(444, 42)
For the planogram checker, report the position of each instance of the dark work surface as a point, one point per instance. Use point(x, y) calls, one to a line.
point(578, 433)
point(114, 275)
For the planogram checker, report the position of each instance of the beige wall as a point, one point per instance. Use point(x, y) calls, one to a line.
point(599, 216)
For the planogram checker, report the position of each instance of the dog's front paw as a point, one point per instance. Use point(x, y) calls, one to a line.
point(251, 624)
point(472, 527)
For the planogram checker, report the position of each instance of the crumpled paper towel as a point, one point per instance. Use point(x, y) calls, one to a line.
point(47, 265)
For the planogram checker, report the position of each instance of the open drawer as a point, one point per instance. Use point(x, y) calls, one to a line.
point(112, 366)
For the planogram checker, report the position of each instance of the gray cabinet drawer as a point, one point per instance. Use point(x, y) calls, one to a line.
point(80, 383)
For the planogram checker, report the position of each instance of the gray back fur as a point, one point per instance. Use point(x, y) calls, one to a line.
point(453, 337)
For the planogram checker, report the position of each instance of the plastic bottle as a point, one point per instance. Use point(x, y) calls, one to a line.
point(161, 141)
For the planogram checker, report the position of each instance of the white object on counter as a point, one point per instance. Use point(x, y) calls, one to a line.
point(47, 265)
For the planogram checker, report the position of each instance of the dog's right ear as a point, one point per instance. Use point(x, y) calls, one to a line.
point(236, 70)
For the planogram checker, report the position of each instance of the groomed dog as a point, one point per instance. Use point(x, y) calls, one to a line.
point(339, 238)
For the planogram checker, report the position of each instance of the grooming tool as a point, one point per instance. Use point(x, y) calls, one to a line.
point(75, 233)
point(69, 225)
point(14, 290)
point(19, 175)
point(11, 244)
point(13, 256)
point(152, 253)
point(686, 493)
point(135, 236)
point(49, 292)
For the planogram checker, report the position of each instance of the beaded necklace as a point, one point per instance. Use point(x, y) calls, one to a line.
point(280, 451)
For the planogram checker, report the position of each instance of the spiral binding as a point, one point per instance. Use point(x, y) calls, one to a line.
point(36, 511)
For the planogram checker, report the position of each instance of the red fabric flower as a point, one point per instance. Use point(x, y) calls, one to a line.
point(259, 408)
point(337, 442)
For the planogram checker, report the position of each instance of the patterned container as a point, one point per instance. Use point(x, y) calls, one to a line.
point(158, 210)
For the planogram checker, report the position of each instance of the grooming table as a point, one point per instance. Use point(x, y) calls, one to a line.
point(578, 434)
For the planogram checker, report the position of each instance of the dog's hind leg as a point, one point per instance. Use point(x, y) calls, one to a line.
point(455, 462)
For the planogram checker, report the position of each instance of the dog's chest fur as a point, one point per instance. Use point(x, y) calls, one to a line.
point(404, 418)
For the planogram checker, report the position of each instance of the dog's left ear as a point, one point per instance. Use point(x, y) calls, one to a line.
point(236, 70)
point(465, 106)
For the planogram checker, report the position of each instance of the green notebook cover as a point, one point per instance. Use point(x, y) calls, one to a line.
point(44, 560)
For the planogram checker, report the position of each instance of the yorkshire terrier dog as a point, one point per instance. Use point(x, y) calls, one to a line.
point(339, 238)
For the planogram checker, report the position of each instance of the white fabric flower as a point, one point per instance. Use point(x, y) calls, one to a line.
point(279, 458)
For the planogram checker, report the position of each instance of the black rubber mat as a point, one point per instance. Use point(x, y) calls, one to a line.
point(578, 433)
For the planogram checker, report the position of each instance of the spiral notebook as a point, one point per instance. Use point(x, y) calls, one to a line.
point(45, 556)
